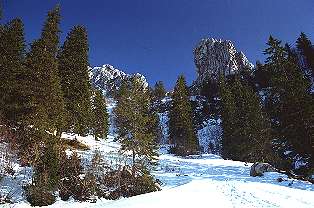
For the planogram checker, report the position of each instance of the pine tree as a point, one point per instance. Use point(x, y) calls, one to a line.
point(47, 106)
point(159, 91)
point(76, 87)
point(182, 132)
point(229, 118)
point(14, 101)
point(47, 96)
point(134, 122)
point(291, 105)
point(246, 130)
point(100, 121)
point(157, 94)
point(306, 49)
point(253, 126)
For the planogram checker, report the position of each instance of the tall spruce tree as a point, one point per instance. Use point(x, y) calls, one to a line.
point(229, 118)
point(291, 105)
point(14, 101)
point(100, 116)
point(134, 122)
point(246, 130)
point(159, 91)
point(182, 132)
point(46, 102)
point(306, 49)
point(47, 97)
point(254, 131)
point(76, 87)
point(157, 94)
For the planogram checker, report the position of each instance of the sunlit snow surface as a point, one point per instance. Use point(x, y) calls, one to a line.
point(198, 181)
point(207, 181)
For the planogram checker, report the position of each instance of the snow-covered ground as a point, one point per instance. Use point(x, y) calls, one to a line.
point(196, 181)
point(203, 181)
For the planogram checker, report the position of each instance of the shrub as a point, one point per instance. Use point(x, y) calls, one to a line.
point(85, 190)
point(73, 182)
point(70, 170)
point(38, 195)
point(122, 183)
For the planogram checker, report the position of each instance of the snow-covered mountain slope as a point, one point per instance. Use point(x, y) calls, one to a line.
point(195, 181)
point(214, 57)
point(209, 181)
point(108, 79)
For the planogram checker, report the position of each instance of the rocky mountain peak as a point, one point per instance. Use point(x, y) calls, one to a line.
point(108, 79)
point(213, 57)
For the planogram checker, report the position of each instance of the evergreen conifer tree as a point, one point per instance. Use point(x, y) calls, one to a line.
point(134, 122)
point(291, 105)
point(182, 132)
point(159, 91)
point(229, 118)
point(100, 121)
point(76, 87)
point(46, 101)
point(247, 134)
point(306, 49)
point(47, 98)
point(157, 94)
point(252, 126)
point(14, 101)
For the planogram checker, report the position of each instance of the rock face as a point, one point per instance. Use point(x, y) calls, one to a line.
point(258, 169)
point(109, 79)
point(214, 57)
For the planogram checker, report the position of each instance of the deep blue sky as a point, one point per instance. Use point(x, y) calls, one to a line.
point(157, 37)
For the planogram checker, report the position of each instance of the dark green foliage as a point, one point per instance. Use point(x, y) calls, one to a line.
point(154, 126)
point(261, 76)
point(246, 133)
point(182, 132)
point(229, 118)
point(46, 173)
point(157, 94)
point(70, 170)
point(306, 49)
point(209, 89)
point(47, 163)
point(76, 87)
point(38, 195)
point(289, 102)
point(159, 91)
point(121, 183)
point(14, 102)
point(134, 121)
point(47, 99)
point(100, 116)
